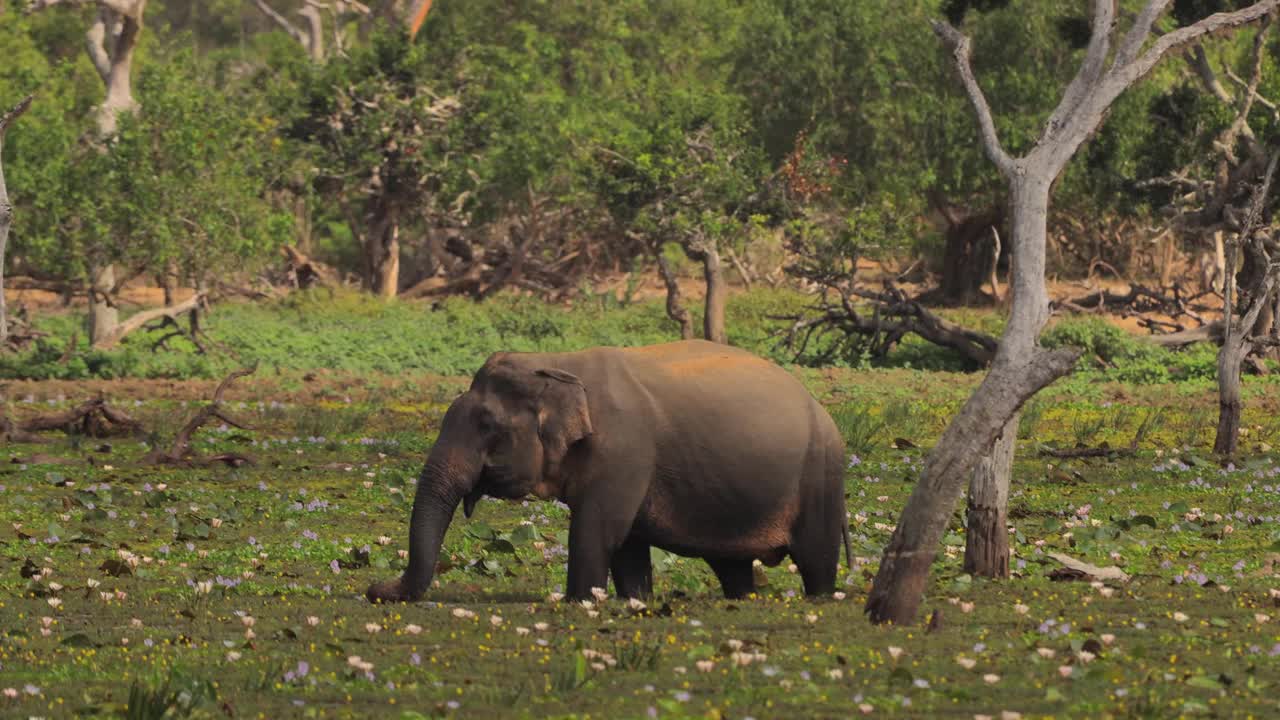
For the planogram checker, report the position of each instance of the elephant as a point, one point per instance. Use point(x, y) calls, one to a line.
point(698, 448)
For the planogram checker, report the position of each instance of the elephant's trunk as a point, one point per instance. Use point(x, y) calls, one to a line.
point(444, 481)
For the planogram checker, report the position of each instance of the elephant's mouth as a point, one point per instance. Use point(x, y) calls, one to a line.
point(497, 481)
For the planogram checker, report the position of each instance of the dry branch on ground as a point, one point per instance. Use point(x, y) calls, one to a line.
point(180, 452)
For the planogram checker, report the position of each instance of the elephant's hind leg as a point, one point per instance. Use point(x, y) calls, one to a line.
point(735, 576)
point(632, 570)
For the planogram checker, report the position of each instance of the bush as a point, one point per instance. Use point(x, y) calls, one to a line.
point(1117, 355)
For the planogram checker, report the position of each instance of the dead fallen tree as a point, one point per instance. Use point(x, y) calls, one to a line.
point(180, 453)
point(850, 321)
point(138, 320)
point(93, 418)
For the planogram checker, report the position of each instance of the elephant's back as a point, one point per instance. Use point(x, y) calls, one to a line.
point(706, 364)
point(709, 387)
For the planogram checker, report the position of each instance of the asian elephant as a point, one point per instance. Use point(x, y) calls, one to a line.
point(698, 448)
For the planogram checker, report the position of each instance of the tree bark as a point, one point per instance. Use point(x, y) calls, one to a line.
point(713, 273)
point(1257, 282)
point(986, 549)
point(6, 211)
point(103, 316)
point(1021, 368)
point(382, 257)
point(675, 310)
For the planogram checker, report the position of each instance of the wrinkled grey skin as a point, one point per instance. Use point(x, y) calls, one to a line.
point(698, 448)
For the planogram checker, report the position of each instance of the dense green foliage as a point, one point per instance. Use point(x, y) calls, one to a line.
point(599, 107)
point(352, 333)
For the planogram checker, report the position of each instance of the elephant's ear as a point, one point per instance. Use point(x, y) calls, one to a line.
point(563, 416)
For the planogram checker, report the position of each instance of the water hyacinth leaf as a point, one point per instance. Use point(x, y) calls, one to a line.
point(501, 545)
point(1219, 622)
point(523, 534)
point(1204, 681)
point(481, 531)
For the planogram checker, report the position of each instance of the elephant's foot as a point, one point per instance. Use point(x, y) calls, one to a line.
point(388, 591)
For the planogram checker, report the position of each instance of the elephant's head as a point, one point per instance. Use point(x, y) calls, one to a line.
point(506, 437)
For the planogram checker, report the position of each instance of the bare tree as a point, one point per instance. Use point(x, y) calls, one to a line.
point(6, 210)
point(313, 12)
point(111, 42)
point(1257, 285)
point(1021, 367)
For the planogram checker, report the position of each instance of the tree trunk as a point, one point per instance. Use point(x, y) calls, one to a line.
point(969, 254)
point(103, 316)
point(1021, 368)
point(6, 210)
point(382, 257)
point(1019, 371)
point(675, 310)
point(713, 319)
point(986, 549)
point(1230, 358)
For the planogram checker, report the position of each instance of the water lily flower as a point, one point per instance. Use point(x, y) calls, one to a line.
point(463, 613)
point(1180, 616)
point(233, 656)
point(541, 626)
point(495, 620)
point(312, 620)
point(1064, 671)
point(522, 631)
point(1021, 609)
point(966, 663)
point(372, 628)
point(991, 678)
point(895, 652)
point(1046, 652)
point(600, 594)
point(966, 607)
point(1107, 638)
point(705, 666)
point(413, 629)
point(835, 674)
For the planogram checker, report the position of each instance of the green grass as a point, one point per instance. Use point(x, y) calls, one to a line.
point(299, 535)
point(359, 335)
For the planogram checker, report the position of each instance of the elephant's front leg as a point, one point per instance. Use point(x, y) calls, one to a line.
point(590, 550)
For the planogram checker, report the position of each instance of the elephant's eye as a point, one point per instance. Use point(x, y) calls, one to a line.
point(486, 424)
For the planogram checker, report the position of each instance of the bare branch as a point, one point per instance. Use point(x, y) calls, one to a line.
point(1137, 35)
point(128, 8)
point(1199, 62)
point(1095, 62)
point(14, 113)
point(138, 320)
point(961, 52)
point(1122, 76)
point(315, 31)
point(293, 30)
point(96, 45)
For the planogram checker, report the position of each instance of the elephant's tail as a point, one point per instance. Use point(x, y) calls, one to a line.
point(848, 547)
